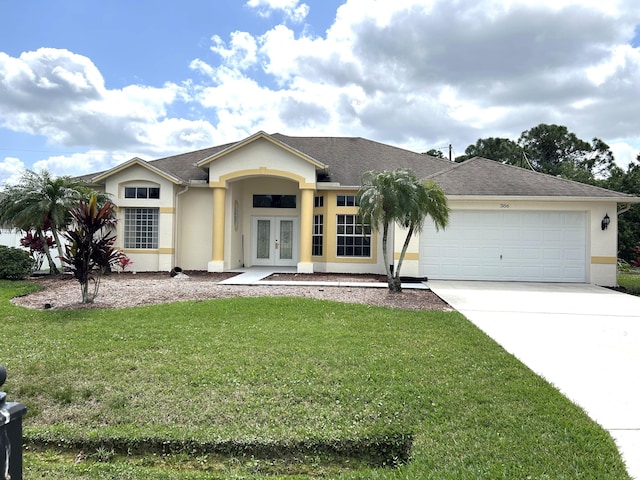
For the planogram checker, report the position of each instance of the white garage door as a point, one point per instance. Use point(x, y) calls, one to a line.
point(506, 245)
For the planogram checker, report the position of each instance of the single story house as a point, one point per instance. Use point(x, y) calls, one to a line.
point(276, 200)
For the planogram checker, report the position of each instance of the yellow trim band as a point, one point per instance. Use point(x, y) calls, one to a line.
point(154, 251)
point(407, 256)
point(604, 260)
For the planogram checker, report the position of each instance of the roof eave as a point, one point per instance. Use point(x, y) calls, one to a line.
point(547, 198)
point(141, 163)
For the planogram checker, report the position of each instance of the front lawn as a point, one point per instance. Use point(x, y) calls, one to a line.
point(630, 281)
point(285, 388)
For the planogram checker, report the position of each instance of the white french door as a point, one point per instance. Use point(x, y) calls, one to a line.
point(274, 241)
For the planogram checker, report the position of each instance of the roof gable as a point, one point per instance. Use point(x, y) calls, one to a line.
point(157, 169)
point(483, 177)
point(257, 137)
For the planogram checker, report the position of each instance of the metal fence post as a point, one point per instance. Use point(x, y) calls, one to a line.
point(11, 414)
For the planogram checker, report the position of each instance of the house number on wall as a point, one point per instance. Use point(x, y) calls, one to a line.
point(504, 205)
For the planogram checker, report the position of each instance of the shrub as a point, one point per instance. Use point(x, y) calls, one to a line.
point(15, 264)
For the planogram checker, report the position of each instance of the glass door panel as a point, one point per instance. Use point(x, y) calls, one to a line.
point(286, 240)
point(263, 243)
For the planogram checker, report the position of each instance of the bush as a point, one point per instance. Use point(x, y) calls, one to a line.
point(15, 264)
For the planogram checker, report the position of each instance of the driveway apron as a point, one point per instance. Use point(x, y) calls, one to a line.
point(583, 339)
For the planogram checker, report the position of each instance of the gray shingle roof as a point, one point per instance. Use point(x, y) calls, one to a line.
point(348, 158)
point(483, 177)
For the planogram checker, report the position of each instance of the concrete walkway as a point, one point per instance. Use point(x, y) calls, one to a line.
point(583, 339)
point(257, 276)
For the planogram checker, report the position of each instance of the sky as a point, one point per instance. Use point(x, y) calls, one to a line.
point(86, 85)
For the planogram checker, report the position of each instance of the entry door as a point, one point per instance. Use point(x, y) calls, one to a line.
point(274, 241)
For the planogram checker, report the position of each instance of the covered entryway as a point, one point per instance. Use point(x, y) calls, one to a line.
point(507, 245)
point(274, 241)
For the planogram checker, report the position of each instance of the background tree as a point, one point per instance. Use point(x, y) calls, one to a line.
point(40, 203)
point(501, 150)
point(89, 250)
point(552, 149)
point(433, 152)
point(398, 196)
point(627, 181)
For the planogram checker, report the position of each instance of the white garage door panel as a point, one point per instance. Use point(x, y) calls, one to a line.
point(506, 245)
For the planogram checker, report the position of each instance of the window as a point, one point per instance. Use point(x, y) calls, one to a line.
point(318, 201)
point(317, 236)
point(274, 201)
point(347, 201)
point(142, 192)
point(353, 238)
point(141, 228)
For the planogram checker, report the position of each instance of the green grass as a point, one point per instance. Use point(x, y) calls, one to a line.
point(285, 388)
point(630, 280)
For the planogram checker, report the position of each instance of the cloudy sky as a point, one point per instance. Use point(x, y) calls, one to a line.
point(85, 85)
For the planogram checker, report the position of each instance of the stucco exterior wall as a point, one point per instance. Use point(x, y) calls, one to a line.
point(194, 230)
point(160, 259)
point(260, 158)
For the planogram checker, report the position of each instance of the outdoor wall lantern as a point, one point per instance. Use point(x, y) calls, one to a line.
point(605, 221)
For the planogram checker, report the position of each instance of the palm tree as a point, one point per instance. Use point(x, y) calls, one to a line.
point(398, 196)
point(41, 202)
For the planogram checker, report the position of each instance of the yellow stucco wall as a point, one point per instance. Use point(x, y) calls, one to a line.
point(193, 236)
point(260, 158)
point(160, 259)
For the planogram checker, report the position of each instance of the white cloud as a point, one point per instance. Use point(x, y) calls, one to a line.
point(241, 53)
point(11, 169)
point(415, 73)
point(292, 9)
point(62, 96)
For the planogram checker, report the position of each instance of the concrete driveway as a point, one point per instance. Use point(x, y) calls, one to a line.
point(583, 339)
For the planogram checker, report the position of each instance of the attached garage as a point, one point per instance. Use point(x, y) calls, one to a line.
point(504, 245)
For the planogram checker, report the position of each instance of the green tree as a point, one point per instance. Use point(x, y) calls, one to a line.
point(627, 181)
point(554, 150)
point(399, 197)
point(501, 150)
point(40, 202)
point(433, 152)
point(89, 250)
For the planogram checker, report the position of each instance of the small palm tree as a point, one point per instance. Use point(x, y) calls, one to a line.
point(398, 196)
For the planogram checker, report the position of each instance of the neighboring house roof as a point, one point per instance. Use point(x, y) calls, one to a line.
point(343, 160)
point(483, 177)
